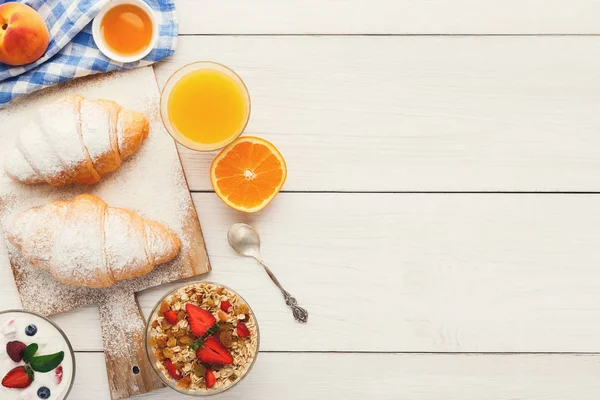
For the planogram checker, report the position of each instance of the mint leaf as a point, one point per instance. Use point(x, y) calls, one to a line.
point(47, 363)
point(29, 352)
point(213, 329)
point(198, 343)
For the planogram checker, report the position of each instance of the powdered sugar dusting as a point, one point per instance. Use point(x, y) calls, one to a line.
point(151, 182)
point(121, 309)
point(35, 152)
point(60, 124)
point(96, 130)
point(50, 144)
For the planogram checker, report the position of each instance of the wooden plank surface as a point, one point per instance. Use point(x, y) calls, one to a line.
point(294, 376)
point(443, 273)
point(389, 17)
point(385, 272)
point(416, 113)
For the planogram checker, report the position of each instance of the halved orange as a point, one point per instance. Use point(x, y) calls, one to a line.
point(248, 174)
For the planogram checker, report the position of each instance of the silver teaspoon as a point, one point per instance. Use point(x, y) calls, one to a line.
point(245, 241)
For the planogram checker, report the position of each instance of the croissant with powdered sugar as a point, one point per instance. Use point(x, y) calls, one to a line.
point(75, 140)
point(83, 242)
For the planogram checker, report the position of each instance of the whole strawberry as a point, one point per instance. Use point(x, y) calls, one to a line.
point(15, 350)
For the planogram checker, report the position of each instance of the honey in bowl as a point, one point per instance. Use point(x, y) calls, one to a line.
point(126, 29)
point(205, 106)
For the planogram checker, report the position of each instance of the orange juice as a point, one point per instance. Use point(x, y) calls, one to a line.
point(126, 29)
point(206, 107)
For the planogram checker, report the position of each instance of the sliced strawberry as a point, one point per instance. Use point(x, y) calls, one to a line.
point(242, 330)
point(213, 352)
point(18, 378)
point(171, 317)
point(225, 306)
point(172, 370)
point(15, 350)
point(209, 377)
point(200, 320)
point(58, 374)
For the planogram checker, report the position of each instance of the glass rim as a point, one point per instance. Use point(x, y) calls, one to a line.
point(176, 77)
point(169, 383)
point(59, 329)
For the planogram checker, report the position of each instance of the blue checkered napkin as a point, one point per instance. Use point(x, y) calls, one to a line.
point(72, 52)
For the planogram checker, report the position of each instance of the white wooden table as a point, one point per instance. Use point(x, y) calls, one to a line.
point(441, 218)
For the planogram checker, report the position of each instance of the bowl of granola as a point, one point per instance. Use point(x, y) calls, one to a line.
point(202, 338)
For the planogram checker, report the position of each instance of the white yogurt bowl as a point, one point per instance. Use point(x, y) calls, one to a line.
point(50, 339)
point(101, 42)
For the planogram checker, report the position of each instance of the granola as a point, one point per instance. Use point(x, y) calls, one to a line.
point(203, 337)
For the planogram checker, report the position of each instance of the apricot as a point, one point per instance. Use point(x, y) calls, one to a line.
point(24, 36)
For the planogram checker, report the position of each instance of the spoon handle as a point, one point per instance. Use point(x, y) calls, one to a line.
point(300, 313)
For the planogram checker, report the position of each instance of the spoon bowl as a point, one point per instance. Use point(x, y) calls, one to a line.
point(245, 241)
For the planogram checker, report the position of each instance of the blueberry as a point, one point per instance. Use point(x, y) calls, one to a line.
point(43, 393)
point(31, 330)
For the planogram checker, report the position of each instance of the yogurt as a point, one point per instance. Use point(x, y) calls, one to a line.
point(14, 327)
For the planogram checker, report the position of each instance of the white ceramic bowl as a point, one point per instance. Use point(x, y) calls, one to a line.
point(101, 43)
point(51, 339)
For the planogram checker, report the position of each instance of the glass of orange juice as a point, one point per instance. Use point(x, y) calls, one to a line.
point(205, 106)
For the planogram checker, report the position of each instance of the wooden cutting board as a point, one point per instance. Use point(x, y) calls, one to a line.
point(151, 182)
